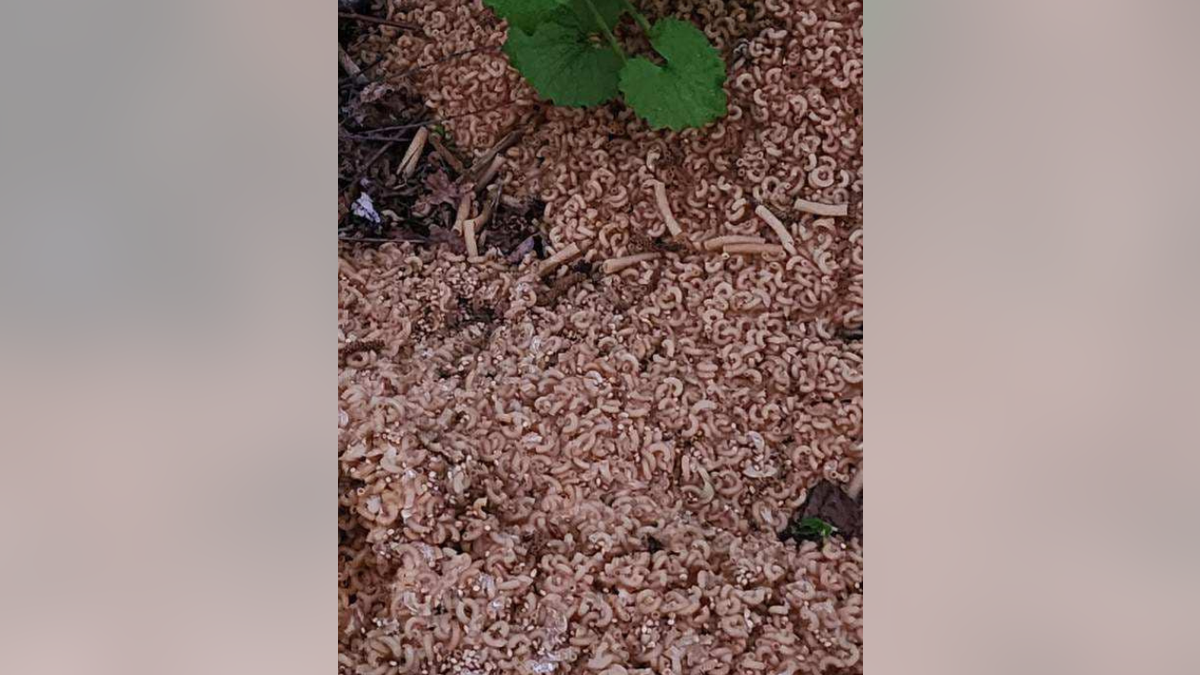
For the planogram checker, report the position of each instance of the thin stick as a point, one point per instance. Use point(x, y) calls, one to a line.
point(786, 237)
point(448, 57)
point(755, 249)
point(371, 19)
point(821, 209)
point(379, 240)
point(382, 139)
point(856, 484)
point(378, 60)
point(425, 123)
point(491, 172)
point(489, 209)
point(446, 154)
point(664, 207)
point(374, 158)
point(485, 214)
point(469, 236)
point(351, 67)
point(551, 263)
point(464, 209)
point(486, 159)
point(614, 265)
point(408, 165)
point(717, 242)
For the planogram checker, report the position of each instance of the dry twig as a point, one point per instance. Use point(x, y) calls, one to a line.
point(487, 159)
point(490, 173)
point(447, 154)
point(444, 59)
point(351, 67)
point(412, 157)
point(464, 210)
point(380, 240)
point(383, 22)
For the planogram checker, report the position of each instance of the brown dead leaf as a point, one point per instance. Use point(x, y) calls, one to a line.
point(439, 190)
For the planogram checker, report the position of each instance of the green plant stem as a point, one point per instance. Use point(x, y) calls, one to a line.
point(604, 29)
point(637, 16)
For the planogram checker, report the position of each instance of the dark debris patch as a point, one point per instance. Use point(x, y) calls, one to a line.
point(515, 232)
point(829, 503)
point(356, 347)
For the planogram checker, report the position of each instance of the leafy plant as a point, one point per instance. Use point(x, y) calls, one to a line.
point(567, 51)
point(810, 529)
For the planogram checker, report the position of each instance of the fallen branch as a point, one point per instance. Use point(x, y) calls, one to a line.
point(821, 209)
point(789, 244)
point(664, 207)
point(716, 243)
point(614, 265)
point(566, 254)
point(412, 157)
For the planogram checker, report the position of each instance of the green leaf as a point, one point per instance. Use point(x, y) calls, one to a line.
point(563, 64)
point(610, 11)
point(817, 526)
point(810, 529)
point(688, 91)
point(529, 14)
point(525, 14)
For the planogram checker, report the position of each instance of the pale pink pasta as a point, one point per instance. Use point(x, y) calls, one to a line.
point(597, 485)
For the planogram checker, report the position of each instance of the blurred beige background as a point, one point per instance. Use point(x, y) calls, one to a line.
point(1033, 386)
point(167, 378)
point(168, 299)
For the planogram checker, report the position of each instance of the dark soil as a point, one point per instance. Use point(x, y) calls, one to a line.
point(356, 347)
point(510, 228)
point(576, 273)
point(377, 122)
point(828, 502)
point(642, 243)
